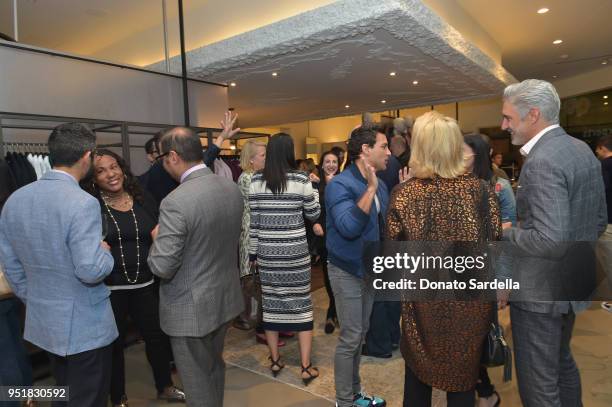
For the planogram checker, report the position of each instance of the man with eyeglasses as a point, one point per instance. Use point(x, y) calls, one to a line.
point(159, 183)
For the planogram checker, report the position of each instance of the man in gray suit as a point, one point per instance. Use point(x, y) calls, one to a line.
point(55, 261)
point(560, 201)
point(195, 253)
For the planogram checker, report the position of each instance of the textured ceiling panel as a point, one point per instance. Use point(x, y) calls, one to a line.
point(341, 54)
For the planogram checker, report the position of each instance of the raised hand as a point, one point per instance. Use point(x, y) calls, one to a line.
point(227, 124)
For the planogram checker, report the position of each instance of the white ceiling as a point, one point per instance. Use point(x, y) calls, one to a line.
point(526, 37)
point(320, 75)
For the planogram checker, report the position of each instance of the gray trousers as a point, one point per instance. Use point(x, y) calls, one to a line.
point(199, 361)
point(545, 368)
point(353, 305)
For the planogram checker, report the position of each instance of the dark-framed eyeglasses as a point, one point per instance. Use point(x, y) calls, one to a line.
point(160, 157)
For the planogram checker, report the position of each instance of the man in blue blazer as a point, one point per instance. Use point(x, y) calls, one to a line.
point(55, 262)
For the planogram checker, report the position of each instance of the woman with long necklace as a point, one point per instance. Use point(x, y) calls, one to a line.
point(130, 216)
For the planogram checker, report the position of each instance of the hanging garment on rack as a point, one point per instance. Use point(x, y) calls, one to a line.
point(222, 169)
point(35, 164)
point(23, 172)
point(7, 183)
point(47, 163)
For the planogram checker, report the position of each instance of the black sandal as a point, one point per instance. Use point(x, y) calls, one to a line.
point(310, 377)
point(275, 363)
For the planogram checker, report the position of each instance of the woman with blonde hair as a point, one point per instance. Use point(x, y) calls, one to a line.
point(442, 339)
point(252, 159)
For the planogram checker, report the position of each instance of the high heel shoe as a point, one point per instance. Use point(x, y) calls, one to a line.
point(311, 376)
point(275, 364)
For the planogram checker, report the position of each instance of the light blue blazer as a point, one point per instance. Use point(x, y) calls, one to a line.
point(50, 247)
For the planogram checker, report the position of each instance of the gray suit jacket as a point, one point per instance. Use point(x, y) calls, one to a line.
point(196, 255)
point(560, 199)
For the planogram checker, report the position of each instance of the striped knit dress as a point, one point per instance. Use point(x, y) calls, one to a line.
point(278, 240)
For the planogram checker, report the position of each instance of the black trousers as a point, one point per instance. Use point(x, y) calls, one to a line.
point(418, 394)
point(484, 387)
point(87, 374)
point(384, 332)
point(142, 305)
point(331, 310)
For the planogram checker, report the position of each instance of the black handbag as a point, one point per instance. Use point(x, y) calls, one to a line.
point(495, 351)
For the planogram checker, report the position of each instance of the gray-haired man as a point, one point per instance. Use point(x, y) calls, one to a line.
point(560, 199)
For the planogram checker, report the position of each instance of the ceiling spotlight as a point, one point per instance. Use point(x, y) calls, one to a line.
point(415, 82)
point(604, 62)
point(564, 56)
point(605, 96)
point(232, 147)
point(543, 10)
point(555, 76)
point(346, 106)
point(233, 84)
point(605, 103)
point(392, 74)
point(274, 73)
point(383, 101)
point(557, 42)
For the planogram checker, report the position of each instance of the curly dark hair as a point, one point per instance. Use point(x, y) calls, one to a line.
point(130, 183)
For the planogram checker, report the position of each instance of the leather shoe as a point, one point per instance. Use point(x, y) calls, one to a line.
point(364, 352)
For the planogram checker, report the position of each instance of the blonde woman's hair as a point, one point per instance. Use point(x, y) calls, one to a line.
point(436, 147)
point(248, 152)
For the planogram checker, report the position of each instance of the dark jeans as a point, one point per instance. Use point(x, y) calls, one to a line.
point(384, 330)
point(331, 310)
point(142, 305)
point(484, 387)
point(418, 394)
point(15, 369)
point(87, 374)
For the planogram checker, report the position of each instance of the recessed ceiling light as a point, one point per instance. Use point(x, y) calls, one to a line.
point(557, 42)
point(415, 82)
point(564, 56)
point(543, 10)
point(233, 84)
point(274, 73)
point(392, 74)
point(346, 106)
point(383, 101)
point(604, 62)
point(605, 96)
point(555, 76)
point(605, 103)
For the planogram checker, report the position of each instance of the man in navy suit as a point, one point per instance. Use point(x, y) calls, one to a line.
point(55, 262)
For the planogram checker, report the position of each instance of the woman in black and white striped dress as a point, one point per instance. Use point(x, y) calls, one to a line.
point(279, 198)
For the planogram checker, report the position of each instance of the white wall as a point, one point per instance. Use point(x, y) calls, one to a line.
point(36, 83)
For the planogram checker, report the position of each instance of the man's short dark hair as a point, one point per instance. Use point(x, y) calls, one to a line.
point(605, 141)
point(151, 146)
point(68, 143)
point(365, 134)
point(184, 141)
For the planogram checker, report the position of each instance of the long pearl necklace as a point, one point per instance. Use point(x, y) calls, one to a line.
point(121, 245)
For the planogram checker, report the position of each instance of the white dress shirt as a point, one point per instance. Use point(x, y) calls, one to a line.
point(529, 145)
point(192, 169)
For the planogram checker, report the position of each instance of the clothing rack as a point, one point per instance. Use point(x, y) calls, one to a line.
point(38, 148)
point(12, 120)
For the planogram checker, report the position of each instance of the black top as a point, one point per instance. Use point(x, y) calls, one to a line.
point(159, 183)
point(390, 175)
point(606, 169)
point(146, 215)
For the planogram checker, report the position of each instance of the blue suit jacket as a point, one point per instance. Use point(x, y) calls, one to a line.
point(50, 247)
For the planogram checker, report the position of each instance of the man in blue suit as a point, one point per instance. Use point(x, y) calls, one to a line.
point(55, 262)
